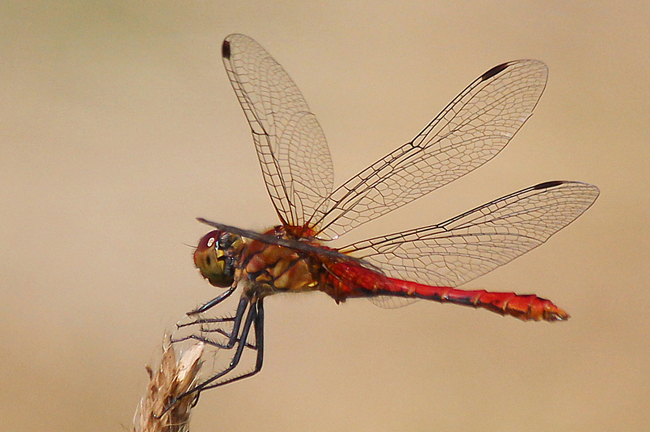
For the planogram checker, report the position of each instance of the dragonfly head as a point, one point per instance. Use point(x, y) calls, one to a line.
point(215, 257)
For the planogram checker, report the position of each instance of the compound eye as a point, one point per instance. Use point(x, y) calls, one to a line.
point(209, 240)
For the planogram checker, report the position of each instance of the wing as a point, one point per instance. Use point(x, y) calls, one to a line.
point(290, 144)
point(476, 242)
point(470, 131)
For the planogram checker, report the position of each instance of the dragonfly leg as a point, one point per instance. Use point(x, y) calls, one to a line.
point(252, 317)
point(259, 345)
point(206, 321)
point(203, 329)
point(215, 301)
point(221, 332)
point(232, 336)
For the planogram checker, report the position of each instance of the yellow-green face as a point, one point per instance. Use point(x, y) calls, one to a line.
point(215, 257)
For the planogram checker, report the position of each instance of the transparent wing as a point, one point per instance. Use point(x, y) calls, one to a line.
point(470, 131)
point(476, 242)
point(290, 144)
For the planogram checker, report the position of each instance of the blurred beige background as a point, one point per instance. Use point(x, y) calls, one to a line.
point(118, 127)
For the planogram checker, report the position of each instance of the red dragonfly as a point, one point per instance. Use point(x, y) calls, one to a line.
point(422, 263)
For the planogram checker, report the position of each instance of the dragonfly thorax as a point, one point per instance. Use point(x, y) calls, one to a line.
point(215, 257)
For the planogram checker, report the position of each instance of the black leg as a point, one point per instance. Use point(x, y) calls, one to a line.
point(259, 343)
point(255, 316)
point(216, 330)
point(232, 337)
point(215, 301)
point(251, 318)
point(206, 321)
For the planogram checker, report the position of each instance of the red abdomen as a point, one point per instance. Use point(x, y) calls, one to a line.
point(347, 281)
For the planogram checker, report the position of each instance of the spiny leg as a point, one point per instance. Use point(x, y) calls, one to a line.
point(259, 345)
point(203, 322)
point(251, 318)
point(232, 337)
point(215, 301)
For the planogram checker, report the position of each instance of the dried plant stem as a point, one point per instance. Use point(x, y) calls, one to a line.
point(173, 378)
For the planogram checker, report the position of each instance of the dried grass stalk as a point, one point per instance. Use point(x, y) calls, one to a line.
point(165, 385)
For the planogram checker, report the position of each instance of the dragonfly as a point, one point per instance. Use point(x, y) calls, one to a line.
point(429, 262)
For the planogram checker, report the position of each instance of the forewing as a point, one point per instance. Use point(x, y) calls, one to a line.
point(470, 131)
point(476, 242)
point(290, 144)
